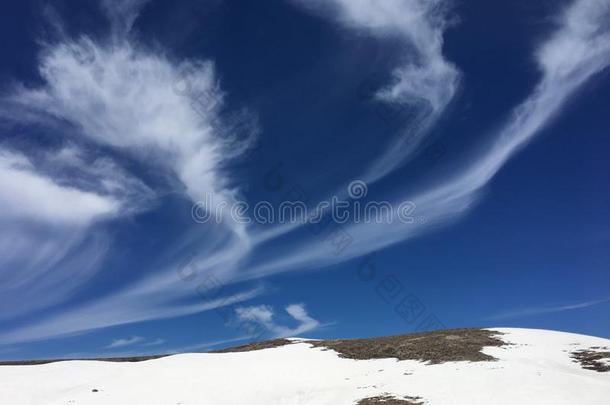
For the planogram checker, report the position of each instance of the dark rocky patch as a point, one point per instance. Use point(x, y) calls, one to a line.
point(592, 360)
point(387, 400)
point(433, 347)
point(267, 344)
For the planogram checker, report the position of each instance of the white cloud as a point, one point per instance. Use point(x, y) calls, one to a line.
point(306, 322)
point(134, 100)
point(26, 194)
point(125, 342)
point(264, 315)
point(425, 80)
point(260, 313)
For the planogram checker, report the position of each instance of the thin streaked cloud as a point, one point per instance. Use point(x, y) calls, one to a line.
point(541, 310)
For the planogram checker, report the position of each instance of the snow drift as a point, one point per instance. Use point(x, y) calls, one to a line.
point(519, 366)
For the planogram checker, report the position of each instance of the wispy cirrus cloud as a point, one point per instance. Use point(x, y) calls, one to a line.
point(140, 303)
point(134, 341)
point(45, 219)
point(425, 80)
point(117, 343)
point(549, 309)
point(128, 103)
point(582, 28)
point(155, 342)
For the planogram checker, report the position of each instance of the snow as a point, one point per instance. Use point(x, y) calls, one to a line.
point(535, 369)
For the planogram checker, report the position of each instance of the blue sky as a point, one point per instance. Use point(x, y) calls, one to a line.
point(124, 122)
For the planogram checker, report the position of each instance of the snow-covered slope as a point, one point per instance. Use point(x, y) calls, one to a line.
point(535, 367)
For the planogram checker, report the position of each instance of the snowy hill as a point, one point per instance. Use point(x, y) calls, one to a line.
point(493, 366)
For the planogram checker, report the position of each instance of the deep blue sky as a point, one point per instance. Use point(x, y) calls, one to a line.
point(530, 251)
